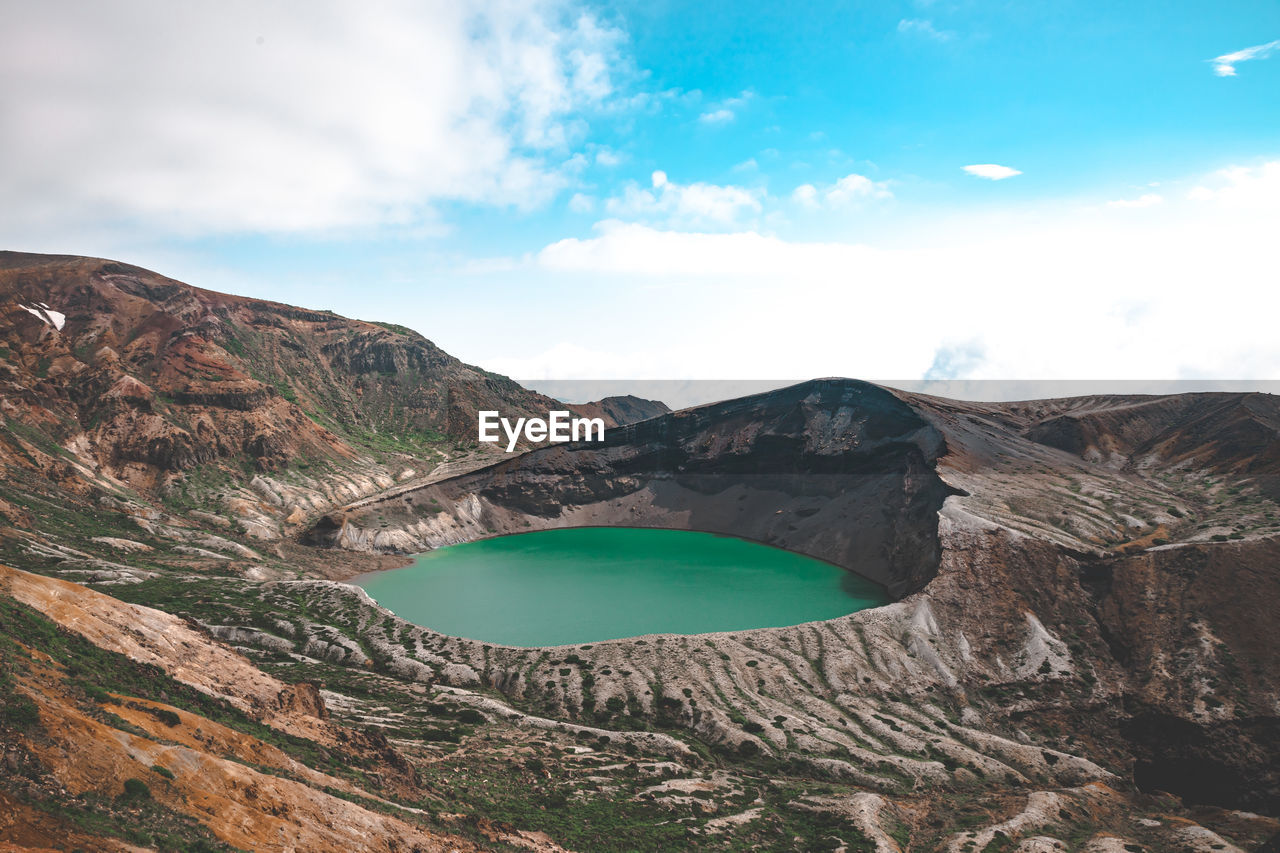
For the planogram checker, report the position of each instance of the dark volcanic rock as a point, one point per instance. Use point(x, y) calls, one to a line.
point(1232, 764)
point(1224, 432)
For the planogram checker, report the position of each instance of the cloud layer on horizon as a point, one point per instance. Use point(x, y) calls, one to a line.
point(1138, 290)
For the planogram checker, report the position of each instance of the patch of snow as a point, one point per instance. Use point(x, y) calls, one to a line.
point(54, 318)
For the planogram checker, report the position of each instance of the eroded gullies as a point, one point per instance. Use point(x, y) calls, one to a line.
point(582, 585)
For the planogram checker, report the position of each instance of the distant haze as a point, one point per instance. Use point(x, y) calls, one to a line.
point(679, 394)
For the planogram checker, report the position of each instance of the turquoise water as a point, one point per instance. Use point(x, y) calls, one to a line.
point(584, 584)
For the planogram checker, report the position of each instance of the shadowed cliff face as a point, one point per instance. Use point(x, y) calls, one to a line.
point(835, 469)
point(1148, 529)
point(1195, 627)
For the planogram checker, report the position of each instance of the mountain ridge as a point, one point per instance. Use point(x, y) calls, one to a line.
point(161, 388)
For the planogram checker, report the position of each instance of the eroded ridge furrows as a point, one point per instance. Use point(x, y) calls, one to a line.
point(1004, 675)
point(835, 469)
point(871, 748)
point(858, 698)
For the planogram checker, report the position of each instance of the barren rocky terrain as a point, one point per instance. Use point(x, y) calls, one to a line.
point(1081, 653)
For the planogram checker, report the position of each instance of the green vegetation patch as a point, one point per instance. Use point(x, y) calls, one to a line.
point(395, 327)
point(98, 671)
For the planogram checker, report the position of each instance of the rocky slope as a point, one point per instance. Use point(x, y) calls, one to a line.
point(163, 377)
point(99, 756)
point(136, 396)
point(625, 409)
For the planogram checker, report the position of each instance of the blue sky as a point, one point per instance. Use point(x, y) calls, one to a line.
point(682, 190)
point(1072, 92)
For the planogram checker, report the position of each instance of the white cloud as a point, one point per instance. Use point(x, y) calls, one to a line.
point(1055, 291)
point(727, 110)
point(855, 187)
point(806, 194)
point(1144, 200)
point(1225, 65)
point(923, 27)
point(686, 205)
point(581, 203)
point(991, 171)
point(607, 157)
point(630, 248)
point(1241, 187)
point(550, 363)
point(845, 191)
point(576, 164)
point(244, 116)
point(954, 360)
